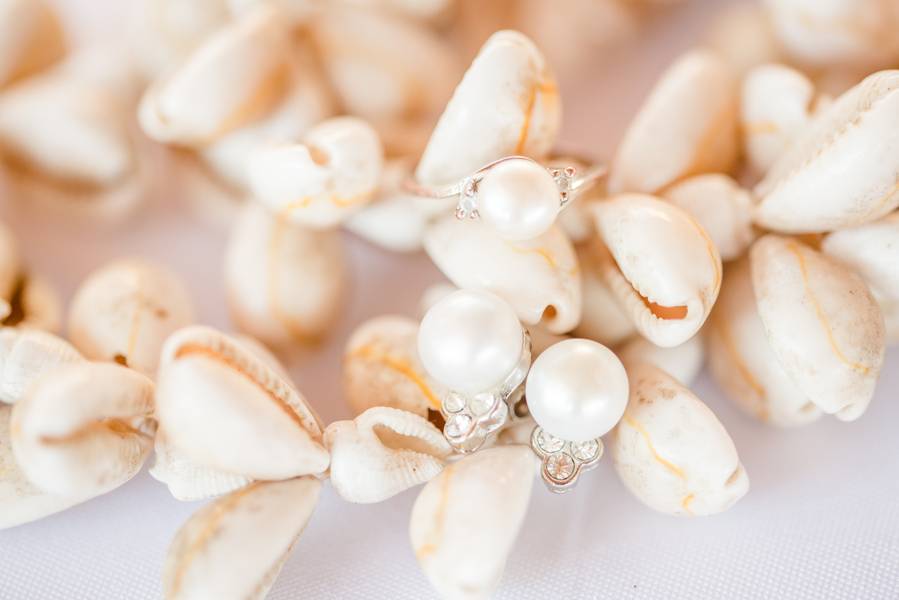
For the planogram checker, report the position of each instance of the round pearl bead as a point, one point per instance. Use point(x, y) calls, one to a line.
point(577, 390)
point(519, 198)
point(470, 341)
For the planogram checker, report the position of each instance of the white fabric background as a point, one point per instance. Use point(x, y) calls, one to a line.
point(821, 520)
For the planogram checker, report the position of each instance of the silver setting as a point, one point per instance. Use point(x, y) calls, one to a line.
point(569, 181)
point(472, 419)
point(564, 461)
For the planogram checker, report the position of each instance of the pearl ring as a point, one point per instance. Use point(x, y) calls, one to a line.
point(516, 195)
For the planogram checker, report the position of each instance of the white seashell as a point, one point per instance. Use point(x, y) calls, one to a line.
point(306, 102)
point(518, 432)
point(166, 31)
point(603, 319)
point(381, 368)
point(663, 267)
point(742, 35)
point(721, 206)
point(507, 103)
point(68, 127)
point(540, 278)
point(25, 355)
point(365, 55)
point(224, 408)
point(741, 358)
point(319, 183)
point(683, 362)
point(83, 429)
point(186, 479)
point(235, 547)
point(846, 160)
point(872, 251)
point(20, 501)
point(671, 452)
point(776, 104)
point(284, 282)
point(687, 126)
point(823, 324)
point(383, 452)
point(31, 39)
point(396, 219)
point(848, 33)
point(465, 521)
point(237, 76)
point(124, 311)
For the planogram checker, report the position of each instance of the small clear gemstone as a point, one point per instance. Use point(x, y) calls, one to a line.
point(549, 443)
point(453, 403)
point(584, 451)
point(482, 403)
point(560, 466)
point(457, 426)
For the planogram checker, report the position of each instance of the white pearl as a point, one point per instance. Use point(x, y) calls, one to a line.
point(470, 341)
point(577, 390)
point(519, 198)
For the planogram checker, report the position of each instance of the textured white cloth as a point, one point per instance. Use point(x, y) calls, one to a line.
point(821, 519)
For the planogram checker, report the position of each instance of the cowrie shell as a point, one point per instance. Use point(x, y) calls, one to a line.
point(236, 76)
point(365, 55)
point(255, 527)
point(124, 311)
point(872, 251)
point(465, 521)
point(603, 319)
point(662, 266)
point(838, 33)
point(222, 407)
point(284, 282)
point(846, 160)
point(41, 306)
point(319, 183)
point(507, 103)
point(187, 480)
point(67, 128)
point(31, 38)
point(25, 355)
point(539, 278)
point(20, 500)
point(381, 368)
point(306, 101)
point(742, 360)
point(671, 452)
point(687, 126)
point(776, 104)
point(721, 206)
point(83, 429)
point(383, 452)
point(823, 324)
point(683, 362)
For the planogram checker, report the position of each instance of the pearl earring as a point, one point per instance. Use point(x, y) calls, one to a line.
point(472, 342)
point(576, 391)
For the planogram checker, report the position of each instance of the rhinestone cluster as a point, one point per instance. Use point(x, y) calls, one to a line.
point(562, 460)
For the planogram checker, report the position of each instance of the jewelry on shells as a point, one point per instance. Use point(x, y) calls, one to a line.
point(516, 195)
point(472, 343)
point(577, 391)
